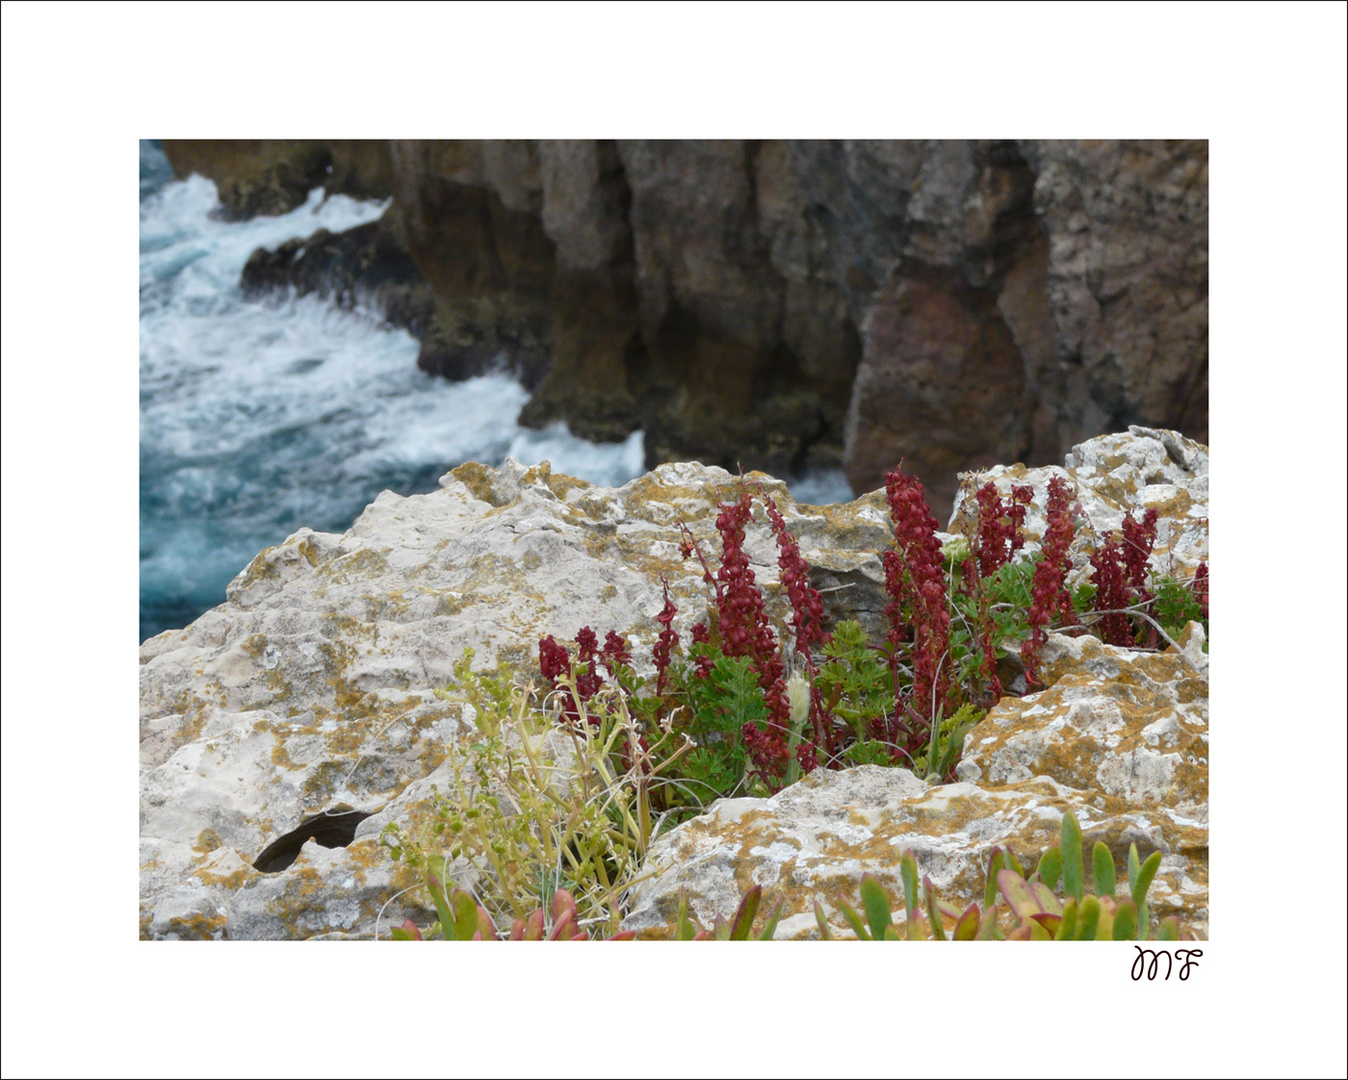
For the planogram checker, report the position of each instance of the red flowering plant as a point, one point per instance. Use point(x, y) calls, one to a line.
point(734, 695)
point(1123, 603)
point(918, 614)
point(1051, 599)
point(765, 731)
point(1119, 572)
point(761, 707)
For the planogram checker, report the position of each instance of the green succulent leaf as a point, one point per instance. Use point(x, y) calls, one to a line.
point(770, 924)
point(1050, 866)
point(825, 931)
point(744, 916)
point(1088, 918)
point(966, 926)
point(1044, 897)
point(933, 910)
point(995, 864)
point(1145, 875)
point(1071, 857)
point(1104, 928)
point(1125, 922)
point(1067, 929)
point(684, 930)
point(473, 922)
point(854, 920)
point(1103, 869)
point(1018, 894)
point(908, 872)
point(442, 908)
point(876, 903)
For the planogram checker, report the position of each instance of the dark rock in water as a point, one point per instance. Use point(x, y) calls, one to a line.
point(367, 262)
point(332, 829)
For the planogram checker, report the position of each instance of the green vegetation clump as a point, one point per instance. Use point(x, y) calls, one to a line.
point(762, 706)
point(535, 809)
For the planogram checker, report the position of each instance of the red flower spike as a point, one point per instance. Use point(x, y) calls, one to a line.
point(589, 681)
point(1049, 591)
point(999, 523)
point(1119, 572)
point(806, 606)
point(667, 640)
point(615, 651)
point(995, 543)
point(553, 661)
point(702, 665)
point(1200, 586)
point(915, 581)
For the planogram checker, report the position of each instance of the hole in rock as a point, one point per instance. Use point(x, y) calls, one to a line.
point(331, 828)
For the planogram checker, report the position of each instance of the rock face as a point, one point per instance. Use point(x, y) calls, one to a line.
point(1128, 276)
point(273, 176)
point(310, 691)
point(772, 303)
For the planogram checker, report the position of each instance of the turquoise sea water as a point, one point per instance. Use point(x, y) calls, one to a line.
point(259, 417)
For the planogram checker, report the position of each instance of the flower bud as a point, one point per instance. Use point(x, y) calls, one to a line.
point(798, 693)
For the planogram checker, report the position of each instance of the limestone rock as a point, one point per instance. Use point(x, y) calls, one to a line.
point(312, 684)
point(817, 838)
point(492, 561)
point(311, 687)
point(1131, 725)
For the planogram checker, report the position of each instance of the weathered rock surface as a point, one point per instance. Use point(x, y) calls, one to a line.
point(312, 685)
point(957, 303)
point(1127, 270)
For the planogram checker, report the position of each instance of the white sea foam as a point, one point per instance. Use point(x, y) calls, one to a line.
point(258, 417)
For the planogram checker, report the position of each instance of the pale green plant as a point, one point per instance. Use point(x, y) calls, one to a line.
point(535, 807)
